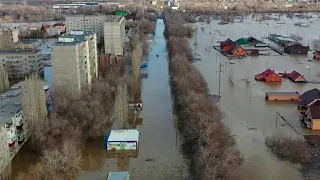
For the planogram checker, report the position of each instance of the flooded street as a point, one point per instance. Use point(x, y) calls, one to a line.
point(158, 157)
point(251, 120)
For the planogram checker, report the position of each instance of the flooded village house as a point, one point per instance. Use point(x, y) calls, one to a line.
point(296, 49)
point(227, 45)
point(296, 77)
point(311, 117)
point(307, 97)
point(268, 76)
point(316, 55)
point(238, 51)
point(290, 45)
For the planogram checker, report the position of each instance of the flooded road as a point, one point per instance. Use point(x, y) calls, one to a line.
point(251, 120)
point(158, 157)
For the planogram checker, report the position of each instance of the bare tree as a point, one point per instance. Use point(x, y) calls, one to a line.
point(33, 102)
point(136, 59)
point(63, 163)
point(121, 106)
point(4, 81)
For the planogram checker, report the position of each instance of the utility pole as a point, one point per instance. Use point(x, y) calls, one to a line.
point(277, 120)
point(195, 35)
point(220, 79)
point(181, 165)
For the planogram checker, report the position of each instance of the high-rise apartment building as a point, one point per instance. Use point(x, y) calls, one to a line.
point(114, 34)
point(75, 60)
point(20, 63)
point(8, 37)
point(86, 23)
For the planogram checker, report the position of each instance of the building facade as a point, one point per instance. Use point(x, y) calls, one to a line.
point(8, 37)
point(53, 31)
point(20, 63)
point(13, 127)
point(75, 61)
point(86, 23)
point(114, 34)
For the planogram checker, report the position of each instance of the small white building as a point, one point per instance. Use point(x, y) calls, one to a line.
point(126, 139)
point(122, 175)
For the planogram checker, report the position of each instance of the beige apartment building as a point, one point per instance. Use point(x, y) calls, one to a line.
point(86, 23)
point(75, 61)
point(20, 63)
point(8, 37)
point(114, 34)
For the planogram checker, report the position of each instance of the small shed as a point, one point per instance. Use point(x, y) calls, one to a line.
point(121, 175)
point(282, 96)
point(297, 77)
point(239, 51)
point(126, 139)
point(254, 52)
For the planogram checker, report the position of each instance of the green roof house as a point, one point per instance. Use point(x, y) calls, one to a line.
point(242, 41)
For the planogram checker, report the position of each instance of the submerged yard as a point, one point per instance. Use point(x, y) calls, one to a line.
point(250, 118)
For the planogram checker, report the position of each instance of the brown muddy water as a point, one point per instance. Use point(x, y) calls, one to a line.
point(159, 157)
point(252, 120)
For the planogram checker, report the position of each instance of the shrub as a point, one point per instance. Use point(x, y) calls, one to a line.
point(190, 31)
point(292, 149)
point(207, 144)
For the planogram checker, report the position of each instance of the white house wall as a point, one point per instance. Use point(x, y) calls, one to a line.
point(128, 146)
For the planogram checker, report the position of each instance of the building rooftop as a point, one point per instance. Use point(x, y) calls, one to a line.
point(122, 175)
point(123, 135)
point(20, 51)
point(74, 37)
point(10, 103)
point(282, 93)
point(6, 29)
point(29, 41)
point(113, 18)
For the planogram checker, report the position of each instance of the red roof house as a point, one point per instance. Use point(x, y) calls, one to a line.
point(316, 55)
point(297, 77)
point(227, 45)
point(268, 76)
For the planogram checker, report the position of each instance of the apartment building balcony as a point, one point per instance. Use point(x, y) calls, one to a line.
point(21, 137)
point(18, 119)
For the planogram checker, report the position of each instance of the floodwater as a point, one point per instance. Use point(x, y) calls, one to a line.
point(251, 120)
point(159, 157)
